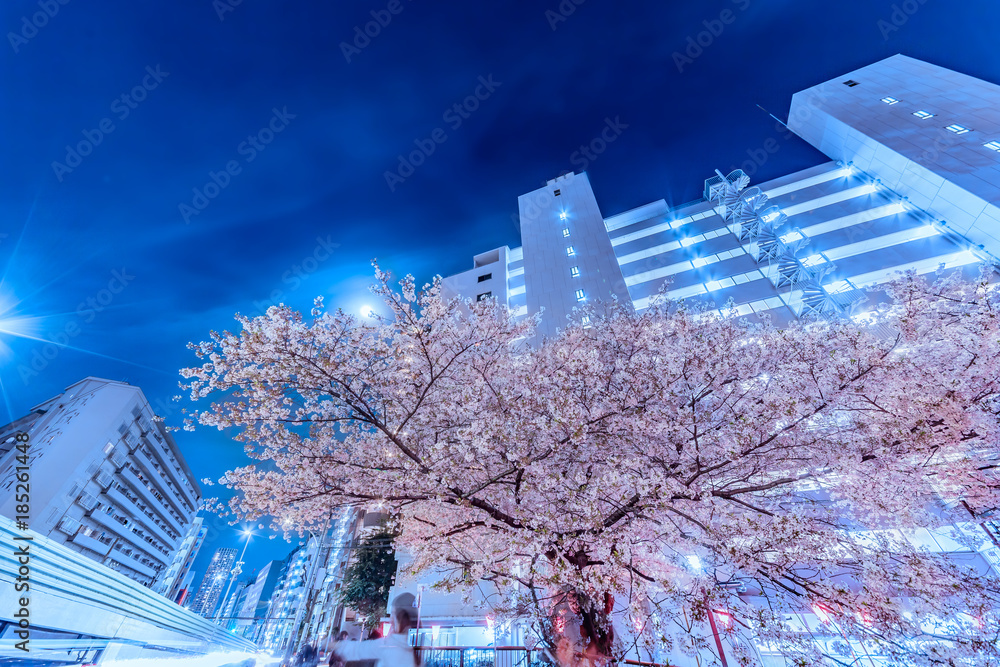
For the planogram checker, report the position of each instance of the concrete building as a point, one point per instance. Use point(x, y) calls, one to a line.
point(107, 480)
point(185, 590)
point(912, 184)
point(927, 133)
point(254, 603)
point(228, 616)
point(304, 606)
point(172, 580)
point(285, 600)
point(213, 583)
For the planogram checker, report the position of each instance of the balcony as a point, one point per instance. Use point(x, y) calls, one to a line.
point(119, 459)
point(118, 529)
point(69, 526)
point(155, 471)
point(132, 441)
point(126, 503)
point(132, 564)
point(87, 501)
point(105, 479)
point(176, 478)
point(112, 523)
point(91, 543)
point(149, 499)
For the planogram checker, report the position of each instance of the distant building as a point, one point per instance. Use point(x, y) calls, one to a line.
point(171, 580)
point(185, 593)
point(253, 605)
point(285, 599)
point(228, 616)
point(914, 185)
point(305, 587)
point(108, 481)
point(214, 583)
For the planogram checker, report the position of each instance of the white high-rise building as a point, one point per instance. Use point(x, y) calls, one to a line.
point(914, 183)
point(214, 582)
point(107, 479)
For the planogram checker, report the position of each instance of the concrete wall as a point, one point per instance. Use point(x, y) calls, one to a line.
point(566, 203)
point(952, 176)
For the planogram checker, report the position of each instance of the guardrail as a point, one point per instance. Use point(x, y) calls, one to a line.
point(69, 593)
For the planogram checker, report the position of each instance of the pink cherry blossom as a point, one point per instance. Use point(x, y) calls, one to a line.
point(650, 467)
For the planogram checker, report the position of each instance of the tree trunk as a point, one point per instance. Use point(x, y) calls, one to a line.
point(596, 628)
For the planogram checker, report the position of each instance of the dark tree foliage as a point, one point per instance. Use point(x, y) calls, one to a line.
point(367, 580)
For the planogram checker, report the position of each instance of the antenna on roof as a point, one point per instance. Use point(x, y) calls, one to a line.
point(785, 125)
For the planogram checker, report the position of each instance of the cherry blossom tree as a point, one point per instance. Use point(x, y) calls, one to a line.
point(661, 469)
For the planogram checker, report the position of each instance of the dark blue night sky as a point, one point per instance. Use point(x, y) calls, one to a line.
point(116, 255)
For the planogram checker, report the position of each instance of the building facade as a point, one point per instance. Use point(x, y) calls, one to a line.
point(214, 582)
point(912, 184)
point(172, 580)
point(185, 590)
point(228, 613)
point(108, 480)
point(253, 606)
point(284, 603)
point(906, 189)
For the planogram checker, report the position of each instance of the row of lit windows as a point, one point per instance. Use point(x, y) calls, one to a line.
point(574, 271)
point(954, 127)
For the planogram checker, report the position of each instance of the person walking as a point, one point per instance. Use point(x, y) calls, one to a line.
point(391, 651)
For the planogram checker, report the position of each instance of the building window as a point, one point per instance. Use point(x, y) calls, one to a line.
point(850, 83)
point(923, 114)
point(580, 296)
point(890, 100)
point(569, 251)
point(957, 129)
point(485, 277)
point(574, 271)
point(993, 145)
point(565, 232)
point(484, 295)
point(558, 192)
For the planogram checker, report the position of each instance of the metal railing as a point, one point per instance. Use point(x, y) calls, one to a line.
point(478, 656)
point(496, 656)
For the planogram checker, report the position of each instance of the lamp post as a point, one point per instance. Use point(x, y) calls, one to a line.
point(237, 568)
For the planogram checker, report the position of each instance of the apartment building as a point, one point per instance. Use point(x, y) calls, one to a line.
point(214, 582)
point(912, 184)
point(107, 479)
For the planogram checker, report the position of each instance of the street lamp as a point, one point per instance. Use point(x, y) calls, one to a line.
point(237, 568)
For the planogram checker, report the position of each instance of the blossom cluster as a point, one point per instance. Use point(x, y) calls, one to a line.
point(672, 463)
